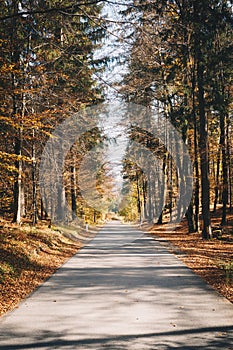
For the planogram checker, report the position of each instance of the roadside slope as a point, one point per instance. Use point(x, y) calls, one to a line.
point(28, 256)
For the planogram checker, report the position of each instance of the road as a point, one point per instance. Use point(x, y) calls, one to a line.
point(124, 290)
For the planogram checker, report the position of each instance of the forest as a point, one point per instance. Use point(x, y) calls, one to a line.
point(175, 57)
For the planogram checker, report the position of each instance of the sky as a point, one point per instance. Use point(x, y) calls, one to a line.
point(112, 122)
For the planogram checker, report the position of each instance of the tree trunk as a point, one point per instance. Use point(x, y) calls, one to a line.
point(203, 149)
point(138, 198)
point(229, 163)
point(163, 186)
point(34, 199)
point(144, 192)
point(150, 208)
point(16, 109)
point(189, 216)
point(216, 190)
point(170, 186)
point(19, 202)
point(224, 167)
point(73, 191)
point(196, 163)
point(18, 184)
point(61, 200)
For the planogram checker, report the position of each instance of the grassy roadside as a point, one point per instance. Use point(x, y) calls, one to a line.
point(28, 256)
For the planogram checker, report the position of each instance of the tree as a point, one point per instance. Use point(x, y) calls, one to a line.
point(47, 64)
point(177, 55)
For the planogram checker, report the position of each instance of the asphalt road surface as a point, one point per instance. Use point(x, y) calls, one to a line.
point(124, 291)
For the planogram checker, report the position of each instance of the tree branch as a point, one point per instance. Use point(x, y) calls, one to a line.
point(60, 9)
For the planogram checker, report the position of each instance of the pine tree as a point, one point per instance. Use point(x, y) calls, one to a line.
point(176, 55)
point(47, 65)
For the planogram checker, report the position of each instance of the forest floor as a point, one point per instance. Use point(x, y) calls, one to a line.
point(29, 255)
point(211, 259)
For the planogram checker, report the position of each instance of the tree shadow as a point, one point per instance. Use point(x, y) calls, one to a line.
point(210, 338)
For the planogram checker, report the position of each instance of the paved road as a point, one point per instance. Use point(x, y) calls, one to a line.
point(124, 291)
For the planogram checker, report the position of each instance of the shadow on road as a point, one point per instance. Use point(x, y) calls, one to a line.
point(124, 342)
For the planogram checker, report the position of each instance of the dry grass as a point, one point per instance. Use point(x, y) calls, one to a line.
point(28, 256)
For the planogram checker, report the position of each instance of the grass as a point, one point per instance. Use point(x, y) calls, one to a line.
point(28, 256)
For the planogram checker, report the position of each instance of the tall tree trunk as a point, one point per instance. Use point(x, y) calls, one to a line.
point(34, 199)
point(61, 201)
point(200, 41)
point(224, 166)
point(16, 110)
point(163, 187)
point(19, 201)
point(150, 208)
point(138, 197)
point(144, 193)
point(18, 183)
point(204, 153)
point(73, 191)
point(230, 182)
point(216, 190)
point(196, 163)
point(170, 186)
